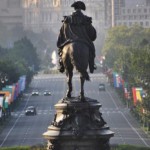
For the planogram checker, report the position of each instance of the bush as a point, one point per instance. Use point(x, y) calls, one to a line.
point(114, 147)
point(129, 147)
point(15, 148)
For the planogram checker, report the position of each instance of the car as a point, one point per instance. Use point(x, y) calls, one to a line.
point(30, 110)
point(34, 93)
point(46, 93)
point(101, 87)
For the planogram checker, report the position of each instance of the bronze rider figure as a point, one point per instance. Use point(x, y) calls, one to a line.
point(77, 27)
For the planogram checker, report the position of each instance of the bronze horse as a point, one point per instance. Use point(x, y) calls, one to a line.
point(76, 55)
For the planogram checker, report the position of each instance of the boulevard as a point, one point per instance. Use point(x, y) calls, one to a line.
point(24, 130)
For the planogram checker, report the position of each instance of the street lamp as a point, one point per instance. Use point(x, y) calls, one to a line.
point(3, 78)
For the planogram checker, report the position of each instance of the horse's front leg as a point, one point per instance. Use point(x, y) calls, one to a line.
point(69, 82)
point(82, 80)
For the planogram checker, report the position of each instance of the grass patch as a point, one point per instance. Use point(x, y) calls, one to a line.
point(35, 147)
point(42, 147)
point(129, 147)
point(15, 148)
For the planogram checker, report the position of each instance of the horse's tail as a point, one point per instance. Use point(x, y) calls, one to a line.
point(81, 70)
point(85, 75)
point(78, 65)
point(80, 59)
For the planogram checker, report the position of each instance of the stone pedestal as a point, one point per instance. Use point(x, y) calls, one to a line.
point(78, 126)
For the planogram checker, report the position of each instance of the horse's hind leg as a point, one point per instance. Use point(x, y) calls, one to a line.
point(69, 82)
point(82, 80)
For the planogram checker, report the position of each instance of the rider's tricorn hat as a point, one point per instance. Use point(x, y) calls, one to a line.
point(79, 5)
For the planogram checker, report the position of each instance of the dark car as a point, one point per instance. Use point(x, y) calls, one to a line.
point(31, 110)
point(47, 93)
point(101, 87)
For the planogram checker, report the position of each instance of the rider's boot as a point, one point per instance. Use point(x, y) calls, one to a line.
point(92, 66)
point(61, 66)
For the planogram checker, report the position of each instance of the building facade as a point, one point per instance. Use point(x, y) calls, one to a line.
point(42, 15)
point(11, 13)
point(39, 15)
point(46, 15)
point(127, 12)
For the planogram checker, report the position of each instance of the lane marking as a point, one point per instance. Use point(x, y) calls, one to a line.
point(135, 130)
point(14, 124)
point(128, 121)
point(17, 119)
point(122, 139)
point(112, 99)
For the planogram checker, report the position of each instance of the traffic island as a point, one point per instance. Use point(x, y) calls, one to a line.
point(78, 126)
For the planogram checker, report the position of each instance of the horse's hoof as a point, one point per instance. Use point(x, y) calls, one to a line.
point(68, 95)
point(82, 98)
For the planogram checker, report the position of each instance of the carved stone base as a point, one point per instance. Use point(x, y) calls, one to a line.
point(78, 126)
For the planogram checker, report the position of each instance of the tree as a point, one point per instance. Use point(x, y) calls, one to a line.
point(22, 59)
point(127, 51)
point(7, 68)
point(25, 50)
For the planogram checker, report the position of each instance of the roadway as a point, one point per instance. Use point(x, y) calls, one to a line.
point(27, 130)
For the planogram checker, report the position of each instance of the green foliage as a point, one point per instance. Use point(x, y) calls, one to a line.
point(45, 39)
point(127, 51)
point(131, 147)
point(119, 147)
point(15, 148)
point(122, 40)
point(21, 59)
point(35, 147)
point(24, 50)
point(8, 68)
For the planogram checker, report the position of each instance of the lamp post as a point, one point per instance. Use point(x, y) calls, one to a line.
point(3, 78)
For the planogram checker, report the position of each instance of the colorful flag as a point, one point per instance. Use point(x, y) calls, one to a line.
point(7, 98)
point(16, 93)
point(117, 80)
point(137, 94)
point(11, 88)
point(1, 103)
point(22, 80)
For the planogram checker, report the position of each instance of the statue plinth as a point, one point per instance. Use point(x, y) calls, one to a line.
point(78, 126)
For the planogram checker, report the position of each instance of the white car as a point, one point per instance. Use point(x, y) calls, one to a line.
point(35, 93)
point(46, 93)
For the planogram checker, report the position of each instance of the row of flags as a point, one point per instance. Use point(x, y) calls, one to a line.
point(10, 93)
point(137, 93)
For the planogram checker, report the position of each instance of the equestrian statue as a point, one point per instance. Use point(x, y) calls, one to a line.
point(76, 48)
